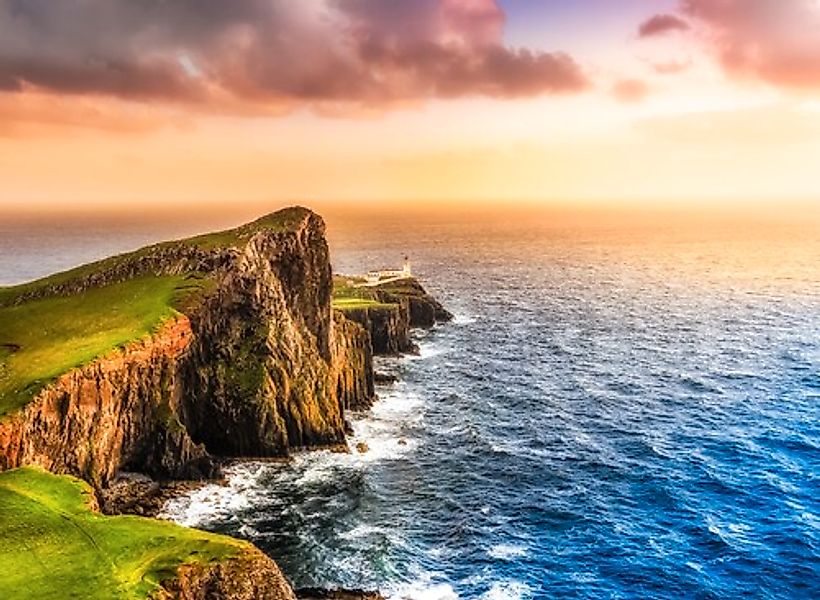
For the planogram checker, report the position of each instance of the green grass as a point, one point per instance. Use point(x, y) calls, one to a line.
point(42, 339)
point(349, 297)
point(54, 547)
point(282, 220)
point(358, 303)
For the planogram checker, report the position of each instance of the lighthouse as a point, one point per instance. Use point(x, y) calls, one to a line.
point(406, 272)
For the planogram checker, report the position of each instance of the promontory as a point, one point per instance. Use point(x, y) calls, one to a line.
point(165, 362)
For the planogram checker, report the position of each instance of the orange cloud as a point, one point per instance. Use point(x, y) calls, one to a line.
point(630, 90)
point(670, 67)
point(37, 114)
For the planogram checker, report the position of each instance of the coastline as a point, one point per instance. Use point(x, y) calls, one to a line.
point(170, 497)
point(255, 363)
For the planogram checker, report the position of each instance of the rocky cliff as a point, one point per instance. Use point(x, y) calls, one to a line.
point(256, 365)
point(388, 313)
point(423, 310)
point(249, 576)
point(388, 326)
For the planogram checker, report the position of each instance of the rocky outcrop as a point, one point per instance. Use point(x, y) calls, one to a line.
point(249, 576)
point(401, 306)
point(423, 309)
point(261, 355)
point(258, 366)
point(388, 326)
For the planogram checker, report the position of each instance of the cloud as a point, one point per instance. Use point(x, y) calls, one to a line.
point(35, 114)
point(661, 25)
point(260, 54)
point(774, 41)
point(630, 90)
point(670, 67)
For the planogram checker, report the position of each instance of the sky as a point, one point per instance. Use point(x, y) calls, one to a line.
point(149, 103)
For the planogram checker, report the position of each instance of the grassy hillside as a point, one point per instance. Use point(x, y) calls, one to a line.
point(54, 547)
point(42, 339)
point(282, 220)
point(346, 296)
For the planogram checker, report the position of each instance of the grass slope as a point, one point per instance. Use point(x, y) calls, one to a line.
point(279, 221)
point(42, 339)
point(54, 547)
point(346, 296)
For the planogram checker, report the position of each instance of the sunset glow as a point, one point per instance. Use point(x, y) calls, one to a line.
point(456, 100)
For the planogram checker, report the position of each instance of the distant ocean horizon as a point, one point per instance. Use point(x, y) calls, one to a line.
point(622, 408)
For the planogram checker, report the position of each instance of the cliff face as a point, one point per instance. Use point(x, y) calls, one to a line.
point(401, 306)
point(423, 310)
point(249, 576)
point(256, 367)
point(352, 365)
point(261, 354)
point(116, 411)
point(388, 325)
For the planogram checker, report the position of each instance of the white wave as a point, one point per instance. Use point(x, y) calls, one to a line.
point(427, 350)
point(516, 448)
point(507, 551)
point(363, 531)
point(423, 588)
point(214, 500)
point(438, 552)
point(384, 433)
point(508, 590)
point(462, 319)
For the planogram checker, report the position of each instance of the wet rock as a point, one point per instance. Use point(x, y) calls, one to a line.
point(362, 447)
point(327, 594)
point(384, 378)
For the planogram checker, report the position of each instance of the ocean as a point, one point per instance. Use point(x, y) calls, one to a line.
point(622, 408)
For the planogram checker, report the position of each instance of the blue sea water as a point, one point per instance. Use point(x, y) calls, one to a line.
point(618, 411)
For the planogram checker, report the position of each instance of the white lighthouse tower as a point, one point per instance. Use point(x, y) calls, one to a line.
point(406, 272)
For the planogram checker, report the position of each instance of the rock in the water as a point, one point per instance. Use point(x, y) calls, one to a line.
point(326, 594)
point(384, 378)
point(362, 447)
